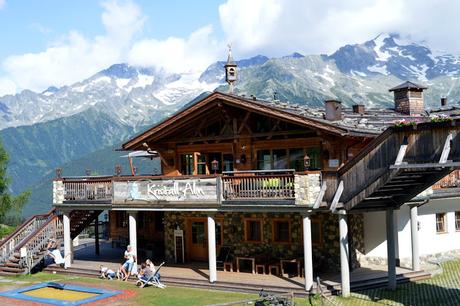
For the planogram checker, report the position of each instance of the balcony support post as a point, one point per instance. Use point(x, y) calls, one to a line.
point(96, 236)
point(67, 239)
point(212, 248)
point(132, 219)
point(307, 251)
point(344, 259)
point(391, 249)
point(414, 237)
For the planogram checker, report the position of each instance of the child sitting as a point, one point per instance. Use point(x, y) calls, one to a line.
point(107, 273)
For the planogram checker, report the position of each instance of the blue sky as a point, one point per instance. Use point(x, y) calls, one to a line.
point(54, 43)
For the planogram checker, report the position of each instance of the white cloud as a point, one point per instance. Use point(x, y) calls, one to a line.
point(2, 4)
point(75, 57)
point(175, 54)
point(278, 27)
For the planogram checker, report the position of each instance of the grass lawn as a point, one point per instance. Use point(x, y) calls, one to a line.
point(443, 289)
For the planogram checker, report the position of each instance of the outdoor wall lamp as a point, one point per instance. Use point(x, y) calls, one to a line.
point(243, 155)
point(215, 165)
point(58, 173)
point(306, 162)
point(88, 172)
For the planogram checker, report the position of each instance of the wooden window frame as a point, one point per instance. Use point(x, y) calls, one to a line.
point(193, 163)
point(279, 220)
point(261, 222)
point(444, 222)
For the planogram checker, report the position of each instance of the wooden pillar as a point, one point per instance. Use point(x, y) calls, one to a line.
point(212, 248)
point(414, 237)
point(391, 249)
point(344, 259)
point(307, 251)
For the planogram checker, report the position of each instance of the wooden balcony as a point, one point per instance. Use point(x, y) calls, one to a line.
point(258, 187)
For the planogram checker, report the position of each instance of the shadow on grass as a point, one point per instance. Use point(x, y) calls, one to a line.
point(411, 293)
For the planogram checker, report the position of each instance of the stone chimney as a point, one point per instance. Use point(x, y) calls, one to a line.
point(333, 110)
point(408, 98)
point(358, 109)
point(443, 101)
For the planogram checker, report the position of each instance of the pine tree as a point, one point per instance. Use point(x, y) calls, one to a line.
point(9, 203)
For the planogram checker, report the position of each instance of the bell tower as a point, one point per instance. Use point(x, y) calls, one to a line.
point(230, 70)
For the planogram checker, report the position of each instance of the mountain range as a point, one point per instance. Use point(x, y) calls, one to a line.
point(61, 126)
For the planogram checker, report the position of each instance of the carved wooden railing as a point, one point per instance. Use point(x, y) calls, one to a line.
point(38, 240)
point(258, 184)
point(9, 244)
point(450, 181)
point(88, 189)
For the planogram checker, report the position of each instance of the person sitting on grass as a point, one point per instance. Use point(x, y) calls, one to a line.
point(145, 274)
point(106, 273)
point(129, 263)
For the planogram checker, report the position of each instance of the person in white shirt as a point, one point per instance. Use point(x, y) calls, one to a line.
point(130, 258)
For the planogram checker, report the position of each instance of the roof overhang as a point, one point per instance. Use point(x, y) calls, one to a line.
point(161, 129)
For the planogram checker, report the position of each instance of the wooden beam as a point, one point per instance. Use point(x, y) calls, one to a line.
point(320, 197)
point(446, 150)
point(243, 123)
point(401, 152)
point(337, 195)
point(426, 165)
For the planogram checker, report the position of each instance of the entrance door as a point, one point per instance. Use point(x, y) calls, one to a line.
point(198, 242)
point(198, 238)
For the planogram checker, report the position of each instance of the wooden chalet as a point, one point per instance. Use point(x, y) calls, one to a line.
point(275, 186)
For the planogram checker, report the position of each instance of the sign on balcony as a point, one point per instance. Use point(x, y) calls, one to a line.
point(174, 190)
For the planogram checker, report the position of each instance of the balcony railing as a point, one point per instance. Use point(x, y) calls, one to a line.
point(88, 189)
point(256, 185)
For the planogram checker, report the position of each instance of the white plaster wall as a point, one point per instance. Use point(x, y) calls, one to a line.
point(430, 241)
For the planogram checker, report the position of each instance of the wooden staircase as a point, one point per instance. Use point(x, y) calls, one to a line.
point(34, 234)
point(80, 219)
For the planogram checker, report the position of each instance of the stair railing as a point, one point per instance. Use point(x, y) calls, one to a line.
point(38, 241)
point(9, 244)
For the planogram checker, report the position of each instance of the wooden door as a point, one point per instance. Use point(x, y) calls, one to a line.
point(198, 239)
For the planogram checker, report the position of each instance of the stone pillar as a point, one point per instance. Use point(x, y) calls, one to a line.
point(344, 259)
point(67, 240)
point(212, 249)
point(391, 249)
point(414, 237)
point(133, 231)
point(307, 251)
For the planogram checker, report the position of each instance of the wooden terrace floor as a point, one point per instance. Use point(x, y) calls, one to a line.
point(197, 275)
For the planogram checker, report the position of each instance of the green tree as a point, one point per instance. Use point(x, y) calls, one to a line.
point(9, 204)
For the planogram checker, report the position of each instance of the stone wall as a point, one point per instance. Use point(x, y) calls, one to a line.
point(325, 255)
point(307, 188)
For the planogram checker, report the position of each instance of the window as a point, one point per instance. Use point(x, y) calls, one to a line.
point(201, 164)
point(264, 160)
point(228, 162)
point(457, 220)
point(288, 158)
point(441, 223)
point(253, 230)
point(186, 164)
point(281, 231)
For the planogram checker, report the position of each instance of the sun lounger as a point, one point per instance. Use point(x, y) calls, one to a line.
point(153, 280)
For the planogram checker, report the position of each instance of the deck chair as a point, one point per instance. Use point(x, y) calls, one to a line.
point(153, 280)
point(224, 255)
